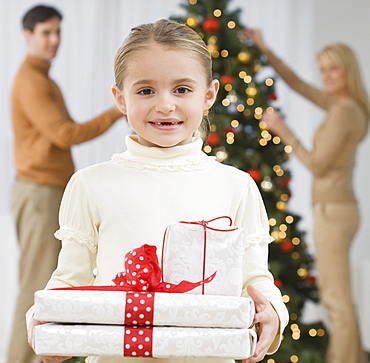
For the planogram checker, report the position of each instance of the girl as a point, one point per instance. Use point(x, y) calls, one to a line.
point(164, 85)
point(336, 215)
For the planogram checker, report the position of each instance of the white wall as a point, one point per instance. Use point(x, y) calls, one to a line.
point(92, 31)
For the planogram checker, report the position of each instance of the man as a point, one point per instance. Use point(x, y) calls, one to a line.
point(43, 135)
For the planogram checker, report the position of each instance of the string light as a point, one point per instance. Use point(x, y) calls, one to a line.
point(247, 79)
point(283, 227)
point(262, 125)
point(302, 272)
point(289, 219)
point(296, 241)
point(225, 102)
point(193, 2)
point(207, 149)
point(250, 101)
point(221, 155)
point(281, 205)
point(217, 13)
point(240, 107)
point(269, 82)
point(288, 149)
point(231, 24)
point(276, 140)
point(295, 255)
point(272, 222)
point(242, 74)
point(286, 298)
point(263, 142)
point(228, 87)
point(234, 123)
point(294, 359)
point(213, 128)
point(224, 53)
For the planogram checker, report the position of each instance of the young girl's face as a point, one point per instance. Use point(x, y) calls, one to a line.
point(164, 95)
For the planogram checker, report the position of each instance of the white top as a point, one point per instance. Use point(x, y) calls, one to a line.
point(113, 207)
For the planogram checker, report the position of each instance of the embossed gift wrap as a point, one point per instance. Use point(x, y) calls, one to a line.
point(184, 259)
point(157, 342)
point(159, 309)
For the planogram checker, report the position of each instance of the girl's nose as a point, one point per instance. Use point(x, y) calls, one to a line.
point(165, 104)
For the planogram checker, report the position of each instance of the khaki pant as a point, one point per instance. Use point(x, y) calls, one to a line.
point(334, 229)
point(35, 208)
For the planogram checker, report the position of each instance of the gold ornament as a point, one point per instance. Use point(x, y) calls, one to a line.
point(244, 57)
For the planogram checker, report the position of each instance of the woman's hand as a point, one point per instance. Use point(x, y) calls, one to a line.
point(268, 324)
point(45, 359)
point(274, 121)
point(256, 36)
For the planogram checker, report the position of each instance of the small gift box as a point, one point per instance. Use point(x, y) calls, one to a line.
point(156, 342)
point(143, 308)
point(195, 250)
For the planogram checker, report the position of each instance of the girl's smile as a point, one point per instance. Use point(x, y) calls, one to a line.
point(163, 107)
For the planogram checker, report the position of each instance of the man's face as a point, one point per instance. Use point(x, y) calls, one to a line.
point(44, 41)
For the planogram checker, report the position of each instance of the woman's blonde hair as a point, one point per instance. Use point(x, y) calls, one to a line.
point(171, 35)
point(344, 56)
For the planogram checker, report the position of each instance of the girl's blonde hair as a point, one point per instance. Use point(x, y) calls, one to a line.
point(171, 35)
point(343, 55)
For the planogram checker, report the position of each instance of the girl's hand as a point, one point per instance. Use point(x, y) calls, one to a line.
point(268, 324)
point(274, 122)
point(45, 359)
point(256, 36)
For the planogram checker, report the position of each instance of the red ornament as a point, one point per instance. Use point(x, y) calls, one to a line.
point(285, 182)
point(255, 174)
point(278, 283)
point(213, 139)
point(227, 78)
point(272, 96)
point(286, 246)
point(211, 25)
point(311, 279)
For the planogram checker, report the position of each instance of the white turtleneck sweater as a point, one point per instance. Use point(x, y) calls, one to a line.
point(111, 208)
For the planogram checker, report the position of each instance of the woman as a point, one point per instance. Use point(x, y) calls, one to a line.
point(332, 160)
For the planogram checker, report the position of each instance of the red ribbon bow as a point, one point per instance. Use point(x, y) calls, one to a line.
point(142, 273)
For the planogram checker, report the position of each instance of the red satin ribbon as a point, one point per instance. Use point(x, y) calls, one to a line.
point(205, 227)
point(143, 273)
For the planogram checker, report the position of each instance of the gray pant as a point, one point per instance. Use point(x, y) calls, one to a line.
point(35, 209)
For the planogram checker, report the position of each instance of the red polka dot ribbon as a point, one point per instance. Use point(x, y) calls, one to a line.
point(139, 308)
point(137, 341)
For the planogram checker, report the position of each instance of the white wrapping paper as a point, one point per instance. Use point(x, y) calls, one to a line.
point(108, 307)
point(167, 342)
point(184, 256)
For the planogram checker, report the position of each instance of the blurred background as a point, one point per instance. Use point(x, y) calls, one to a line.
point(92, 30)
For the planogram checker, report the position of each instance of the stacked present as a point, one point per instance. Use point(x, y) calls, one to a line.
point(142, 316)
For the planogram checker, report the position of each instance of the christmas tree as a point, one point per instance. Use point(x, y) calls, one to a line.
point(239, 138)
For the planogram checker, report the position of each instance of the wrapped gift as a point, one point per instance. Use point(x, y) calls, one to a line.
point(156, 342)
point(143, 308)
point(195, 250)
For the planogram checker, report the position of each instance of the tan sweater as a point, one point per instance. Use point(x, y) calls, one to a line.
point(43, 129)
point(335, 142)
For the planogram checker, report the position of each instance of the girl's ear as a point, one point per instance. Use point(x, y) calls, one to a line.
point(120, 101)
point(211, 94)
